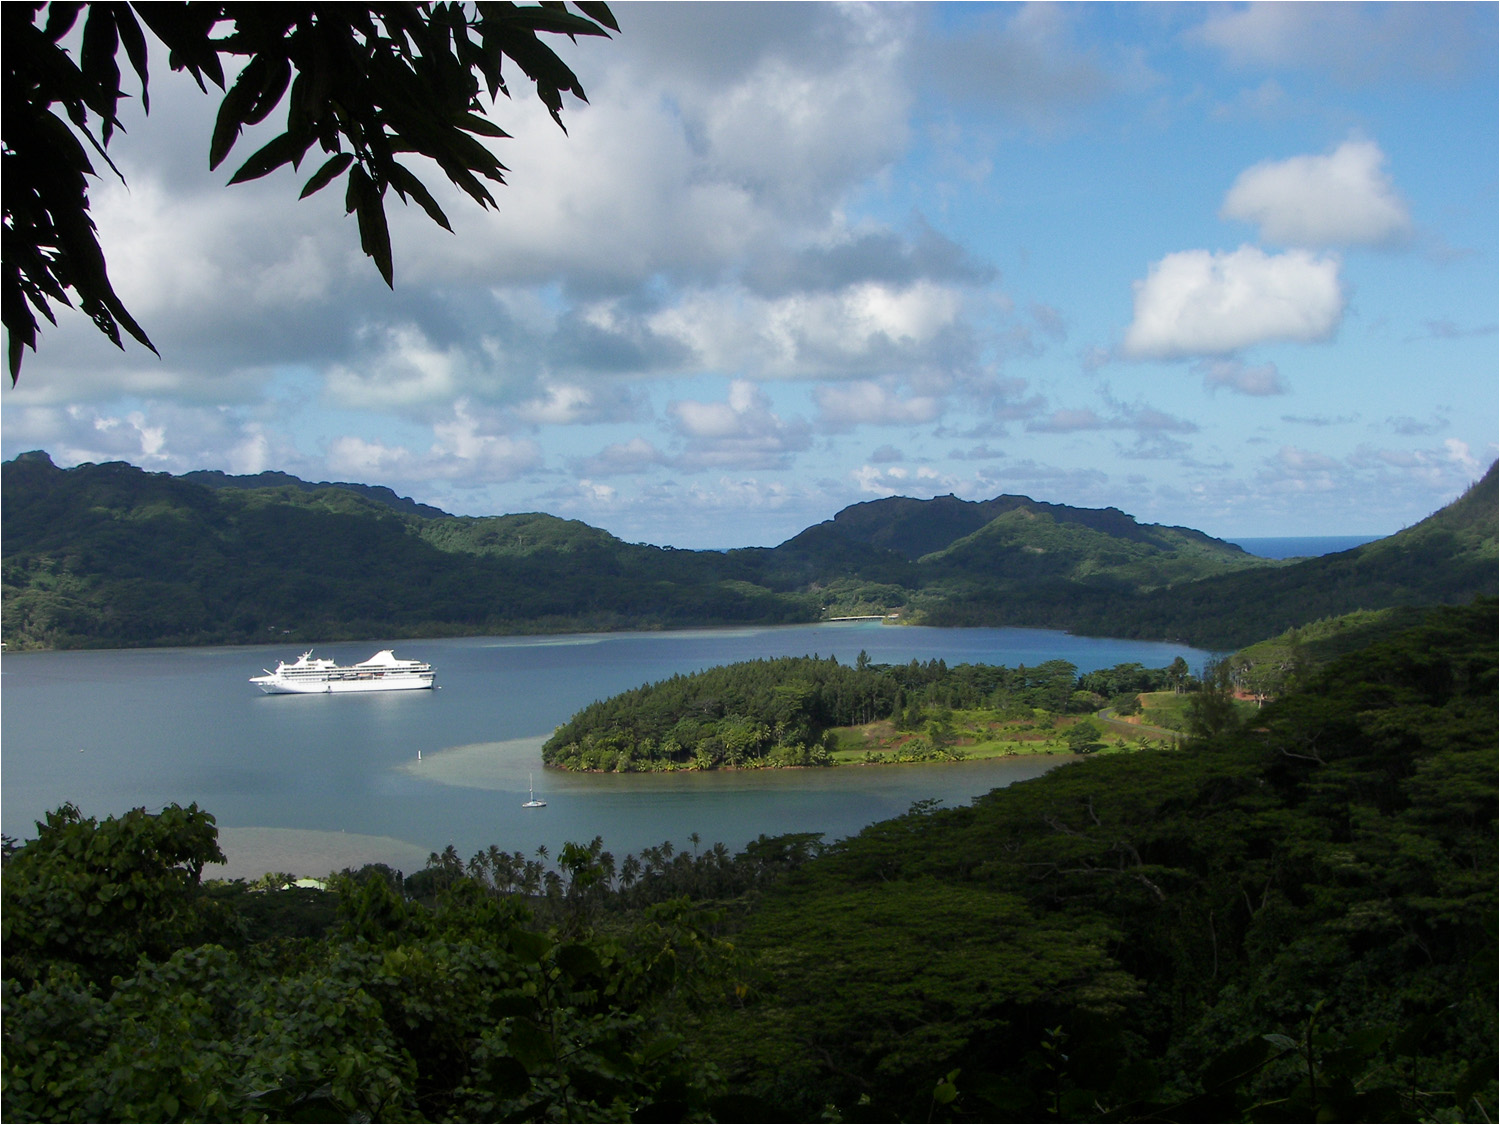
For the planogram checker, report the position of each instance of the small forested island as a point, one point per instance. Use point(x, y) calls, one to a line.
point(807, 711)
point(1290, 918)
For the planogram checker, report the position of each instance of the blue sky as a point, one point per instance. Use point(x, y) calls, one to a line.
point(1229, 267)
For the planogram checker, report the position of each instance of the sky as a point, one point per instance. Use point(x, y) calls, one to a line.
point(1227, 267)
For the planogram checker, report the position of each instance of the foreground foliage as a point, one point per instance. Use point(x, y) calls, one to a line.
point(1293, 919)
point(365, 84)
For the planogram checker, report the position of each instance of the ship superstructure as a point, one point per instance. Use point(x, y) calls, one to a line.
point(309, 676)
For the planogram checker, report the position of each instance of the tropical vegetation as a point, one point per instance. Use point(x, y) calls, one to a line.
point(1290, 918)
point(110, 556)
point(811, 711)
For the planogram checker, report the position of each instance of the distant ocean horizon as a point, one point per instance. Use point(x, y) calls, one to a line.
point(1302, 546)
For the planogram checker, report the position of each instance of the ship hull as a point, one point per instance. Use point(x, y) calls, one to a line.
point(272, 686)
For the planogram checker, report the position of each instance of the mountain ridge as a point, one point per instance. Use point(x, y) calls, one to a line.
point(111, 555)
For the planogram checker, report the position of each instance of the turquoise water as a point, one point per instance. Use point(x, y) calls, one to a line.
point(307, 783)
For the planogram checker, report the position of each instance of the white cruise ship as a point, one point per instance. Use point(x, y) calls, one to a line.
point(382, 672)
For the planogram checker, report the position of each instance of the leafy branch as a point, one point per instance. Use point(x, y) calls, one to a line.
point(369, 86)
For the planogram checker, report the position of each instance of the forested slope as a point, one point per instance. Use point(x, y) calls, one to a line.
point(1292, 920)
point(110, 556)
point(1450, 557)
point(1289, 922)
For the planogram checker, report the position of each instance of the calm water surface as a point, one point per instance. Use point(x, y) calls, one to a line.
point(1302, 546)
point(305, 783)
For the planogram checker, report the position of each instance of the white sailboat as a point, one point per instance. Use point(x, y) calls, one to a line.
point(533, 803)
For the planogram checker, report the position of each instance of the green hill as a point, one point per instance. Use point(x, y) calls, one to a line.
point(110, 556)
point(1030, 543)
point(1448, 558)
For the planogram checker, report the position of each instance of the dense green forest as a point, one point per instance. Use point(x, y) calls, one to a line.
point(111, 556)
point(787, 711)
point(1291, 919)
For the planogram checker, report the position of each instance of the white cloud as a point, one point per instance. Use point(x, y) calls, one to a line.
point(1460, 455)
point(741, 432)
point(669, 169)
point(794, 132)
point(358, 459)
point(873, 404)
point(467, 446)
point(897, 480)
point(1292, 459)
point(810, 335)
point(1197, 302)
point(569, 404)
point(634, 456)
point(1357, 42)
point(164, 437)
point(1236, 375)
point(1342, 199)
point(401, 368)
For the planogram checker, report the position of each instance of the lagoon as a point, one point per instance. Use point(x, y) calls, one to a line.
point(308, 784)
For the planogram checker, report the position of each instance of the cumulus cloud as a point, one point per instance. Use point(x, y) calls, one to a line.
point(569, 404)
point(1199, 302)
point(815, 335)
point(1246, 379)
point(869, 403)
point(741, 432)
point(1291, 458)
point(623, 458)
point(400, 368)
point(1357, 42)
point(839, 258)
point(1342, 199)
point(169, 437)
point(468, 445)
point(898, 480)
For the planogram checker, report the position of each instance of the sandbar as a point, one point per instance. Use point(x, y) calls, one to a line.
point(482, 765)
point(308, 853)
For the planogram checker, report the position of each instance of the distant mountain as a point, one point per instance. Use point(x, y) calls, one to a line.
point(914, 528)
point(213, 478)
point(1000, 544)
point(110, 556)
point(1448, 558)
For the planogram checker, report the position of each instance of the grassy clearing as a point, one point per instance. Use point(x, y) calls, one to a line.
point(969, 736)
point(1168, 710)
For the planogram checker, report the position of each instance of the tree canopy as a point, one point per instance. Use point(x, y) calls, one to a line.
point(1291, 920)
point(368, 86)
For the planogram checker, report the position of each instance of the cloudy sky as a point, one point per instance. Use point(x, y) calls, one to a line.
point(1227, 267)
